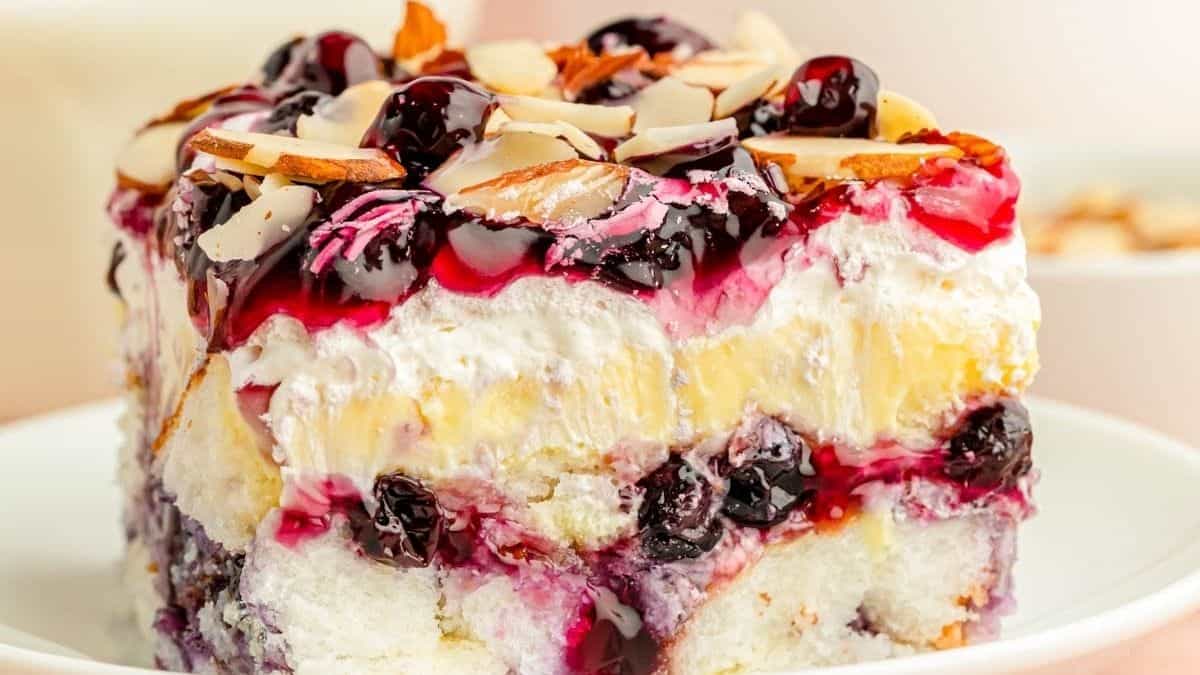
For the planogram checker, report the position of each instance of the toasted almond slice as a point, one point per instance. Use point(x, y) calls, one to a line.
point(484, 161)
point(805, 159)
point(1094, 239)
point(580, 141)
point(299, 158)
point(601, 120)
point(191, 108)
point(662, 140)
point(241, 167)
point(259, 225)
point(563, 192)
point(744, 92)
point(422, 34)
point(495, 122)
point(274, 181)
point(582, 69)
point(346, 118)
point(147, 163)
point(512, 66)
point(671, 103)
point(899, 116)
point(719, 70)
point(754, 31)
point(1167, 223)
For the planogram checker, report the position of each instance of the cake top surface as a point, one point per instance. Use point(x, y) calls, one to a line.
point(644, 156)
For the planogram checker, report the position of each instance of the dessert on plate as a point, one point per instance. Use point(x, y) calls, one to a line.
point(633, 354)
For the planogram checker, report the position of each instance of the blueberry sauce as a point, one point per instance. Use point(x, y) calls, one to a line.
point(831, 96)
point(287, 112)
point(328, 62)
point(656, 35)
point(677, 517)
point(991, 449)
point(406, 526)
point(428, 119)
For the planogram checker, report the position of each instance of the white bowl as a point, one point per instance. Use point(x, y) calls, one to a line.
point(1119, 334)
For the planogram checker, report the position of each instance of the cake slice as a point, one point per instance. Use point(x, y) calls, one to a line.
point(634, 355)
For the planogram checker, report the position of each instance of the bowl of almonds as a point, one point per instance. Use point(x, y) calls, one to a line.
point(1114, 244)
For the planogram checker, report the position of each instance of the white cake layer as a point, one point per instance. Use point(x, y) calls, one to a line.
point(794, 605)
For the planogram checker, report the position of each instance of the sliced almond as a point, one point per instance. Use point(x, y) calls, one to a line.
point(1167, 223)
point(663, 140)
point(754, 31)
point(421, 36)
point(484, 161)
point(563, 192)
point(805, 159)
point(191, 108)
point(345, 119)
point(496, 120)
point(585, 144)
point(671, 103)
point(260, 225)
point(899, 116)
point(1093, 239)
point(147, 163)
point(240, 167)
point(512, 66)
point(583, 69)
point(274, 181)
point(315, 161)
point(601, 120)
point(719, 70)
point(744, 92)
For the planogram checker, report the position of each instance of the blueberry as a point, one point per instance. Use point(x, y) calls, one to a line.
point(831, 96)
point(678, 514)
point(771, 476)
point(991, 448)
point(760, 119)
point(283, 117)
point(328, 62)
point(655, 34)
point(428, 119)
point(407, 524)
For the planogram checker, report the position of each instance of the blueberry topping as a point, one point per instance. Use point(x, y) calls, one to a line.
point(425, 121)
point(771, 476)
point(992, 447)
point(278, 60)
point(328, 62)
point(831, 96)
point(655, 34)
point(760, 119)
point(283, 117)
point(406, 526)
point(677, 516)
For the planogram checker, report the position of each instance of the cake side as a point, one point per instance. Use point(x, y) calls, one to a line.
point(574, 359)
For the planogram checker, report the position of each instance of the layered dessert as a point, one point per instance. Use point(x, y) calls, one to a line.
point(635, 354)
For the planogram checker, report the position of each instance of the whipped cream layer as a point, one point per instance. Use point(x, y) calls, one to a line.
point(555, 393)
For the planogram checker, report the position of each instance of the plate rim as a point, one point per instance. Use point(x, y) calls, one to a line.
point(1108, 628)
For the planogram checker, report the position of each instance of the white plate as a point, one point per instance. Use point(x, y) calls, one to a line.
point(1114, 553)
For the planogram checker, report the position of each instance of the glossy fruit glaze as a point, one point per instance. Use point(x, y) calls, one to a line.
point(702, 244)
point(697, 250)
